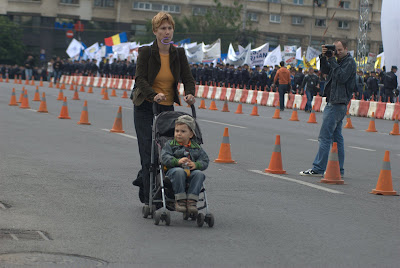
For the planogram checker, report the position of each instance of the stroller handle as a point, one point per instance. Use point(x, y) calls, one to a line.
point(156, 111)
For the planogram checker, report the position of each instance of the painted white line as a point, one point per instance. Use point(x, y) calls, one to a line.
point(122, 134)
point(32, 110)
point(42, 235)
point(221, 123)
point(312, 140)
point(14, 237)
point(360, 148)
point(2, 206)
point(297, 181)
point(126, 108)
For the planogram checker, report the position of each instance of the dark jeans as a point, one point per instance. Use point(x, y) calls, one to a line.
point(309, 95)
point(282, 90)
point(143, 120)
point(388, 94)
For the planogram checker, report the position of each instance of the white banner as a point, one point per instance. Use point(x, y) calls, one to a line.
point(289, 49)
point(121, 51)
point(382, 62)
point(299, 56)
point(213, 51)
point(91, 51)
point(274, 57)
point(290, 58)
point(312, 53)
point(240, 59)
point(188, 46)
point(195, 54)
point(74, 48)
point(258, 55)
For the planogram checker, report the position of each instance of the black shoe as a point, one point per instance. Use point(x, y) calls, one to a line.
point(282, 110)
point(138, 182)
point(311, 173)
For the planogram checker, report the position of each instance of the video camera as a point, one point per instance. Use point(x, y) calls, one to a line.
point(330, 48)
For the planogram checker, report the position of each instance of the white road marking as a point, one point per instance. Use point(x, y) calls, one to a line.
point(220, 123)
point(122, 134)
point(32, 110)
point(126, 108)
point(312, 140)
point(42, 235)
point(360, 148)
point(297, 181)
point(14, 237)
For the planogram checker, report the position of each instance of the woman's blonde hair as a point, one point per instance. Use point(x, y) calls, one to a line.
point(160, 18)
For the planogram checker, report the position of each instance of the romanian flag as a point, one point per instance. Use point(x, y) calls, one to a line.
point(116, 39)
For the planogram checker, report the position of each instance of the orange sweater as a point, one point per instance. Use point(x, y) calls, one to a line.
point(283, 75)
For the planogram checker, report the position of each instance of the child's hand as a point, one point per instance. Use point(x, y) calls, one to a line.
point(183, 160)
point(192, 165)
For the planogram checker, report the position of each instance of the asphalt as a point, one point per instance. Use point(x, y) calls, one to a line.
point(73, 182)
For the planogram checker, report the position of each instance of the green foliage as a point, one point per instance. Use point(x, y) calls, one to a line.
point(12, 48)
point(223, 22)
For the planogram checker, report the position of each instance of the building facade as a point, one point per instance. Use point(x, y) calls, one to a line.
point(284, 22)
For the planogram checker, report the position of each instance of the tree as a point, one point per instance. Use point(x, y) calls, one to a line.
point(12, 48)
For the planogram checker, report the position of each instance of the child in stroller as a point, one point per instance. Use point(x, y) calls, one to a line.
point(184, 160)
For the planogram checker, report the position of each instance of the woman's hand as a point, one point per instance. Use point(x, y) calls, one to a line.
point(160, 97)
point(189, 99)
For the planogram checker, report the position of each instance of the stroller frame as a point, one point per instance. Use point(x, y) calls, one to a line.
point(154, 209)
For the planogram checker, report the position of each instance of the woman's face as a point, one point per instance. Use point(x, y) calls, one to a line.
point(164, 31)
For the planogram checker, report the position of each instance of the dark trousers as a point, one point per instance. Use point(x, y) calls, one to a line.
point(143, 120)
point(282, 90)
point(388, 94)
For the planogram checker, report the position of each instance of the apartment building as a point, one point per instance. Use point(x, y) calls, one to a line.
point(284, 22)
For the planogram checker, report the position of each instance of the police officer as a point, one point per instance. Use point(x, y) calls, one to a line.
point(310, 84)
point(390, 84)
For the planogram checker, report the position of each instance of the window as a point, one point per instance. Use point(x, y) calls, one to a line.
point(199, 11)
point(320, 22)
point(274, 1)
point(275, 18)
point(298, 2)
point(70, 2)
point(273, 42)
point(317, 44)
point(343, 24)
point(104, 3)
point(156, 7)
point(293, 42)
point(344, 4)
point(297, 20)
point(320, 3)
point(252, 16)
point(138, 29)
point(368, 26)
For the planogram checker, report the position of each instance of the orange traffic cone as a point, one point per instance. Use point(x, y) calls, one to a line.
point(25, 101)
point(90, 90)
point(26, 81)
point(254, 112)
point(213, 106)
point(1, 78)
point(202, 104)
point(102, 91)
point(51, 84)
point(275, 164)
point(224, 155)
point(371, 126)
point(113, 93)
point(32, 81)
point(105, 97)
point(118, 122)
point(37, 95)
point(58, 85)
point(71, 87)
point(7, 80)
point(277, 113)
point(312, 119)
point(239, 109)
point(82, 89)
point(15, 80)
point(225, 107)
point(62, 86)
point(43, 105)
point(125, 94)
point(41, 82)
point(84, 115)
point(21, 96)
point(332, 173)
point(64, 110)
point(60, 95)
point(384, 185)
point(395, 130)
point(76, 95)
point(13, 100)
point(348, 123)
point(20, 80)
point(294, 116)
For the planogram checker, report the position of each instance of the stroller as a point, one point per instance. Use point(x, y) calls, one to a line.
point(161, 194)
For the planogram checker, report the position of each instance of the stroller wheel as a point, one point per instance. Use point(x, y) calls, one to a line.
point(167, 217)
point(200, 219)
point(156, 217)
point(145, 211)
point(209, 219)
point(153, 208)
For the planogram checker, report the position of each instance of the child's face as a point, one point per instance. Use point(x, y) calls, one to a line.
point(183, 134)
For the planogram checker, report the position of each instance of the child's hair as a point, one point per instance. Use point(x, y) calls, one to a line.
point(186, 120)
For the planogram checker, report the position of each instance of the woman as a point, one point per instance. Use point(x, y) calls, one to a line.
point(159, 68)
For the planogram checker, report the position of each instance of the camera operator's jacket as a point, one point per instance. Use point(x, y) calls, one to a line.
point(341, 78)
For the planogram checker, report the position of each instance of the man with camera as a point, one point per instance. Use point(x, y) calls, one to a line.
point(341, 69)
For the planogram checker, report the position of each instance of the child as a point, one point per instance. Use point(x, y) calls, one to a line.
point(184, 159)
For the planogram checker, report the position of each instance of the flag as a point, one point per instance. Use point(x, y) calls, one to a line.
point(74, 48)
point(213, 51)
point(312, 53)
point(195, 54)
point(298, 54)
point(182, 42)
point(258, 55)
point(91, 51)
point(274, 57)
point(109, 50)
point(116, 39)
point(190, 45)
point(242, 58)
point(380, 59)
